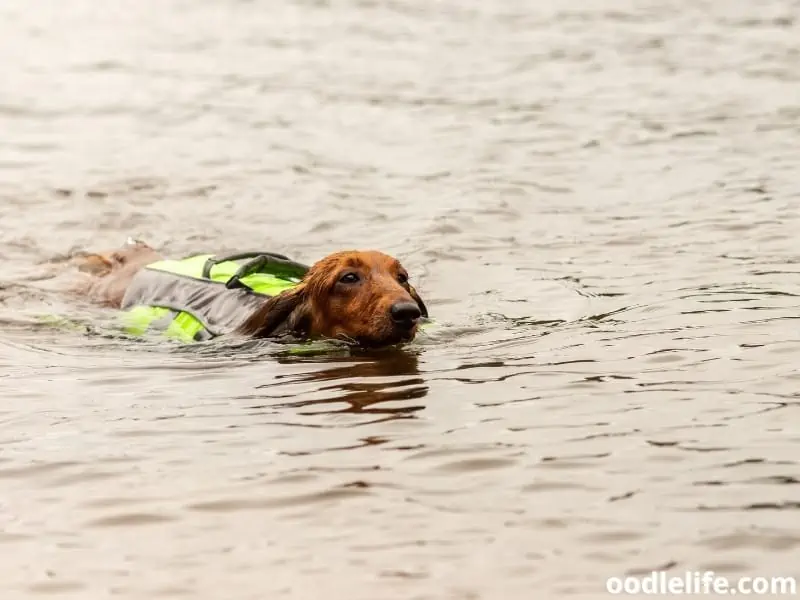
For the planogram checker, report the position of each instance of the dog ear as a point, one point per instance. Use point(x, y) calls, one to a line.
point(288, 312)
point(422, 308)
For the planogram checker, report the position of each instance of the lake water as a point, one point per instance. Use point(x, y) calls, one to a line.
point(598, 201)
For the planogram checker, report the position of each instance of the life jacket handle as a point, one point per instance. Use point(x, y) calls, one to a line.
point(280, 263)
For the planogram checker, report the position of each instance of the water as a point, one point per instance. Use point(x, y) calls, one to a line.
point(598, 202)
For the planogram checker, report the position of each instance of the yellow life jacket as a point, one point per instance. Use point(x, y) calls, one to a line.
point(203, 296)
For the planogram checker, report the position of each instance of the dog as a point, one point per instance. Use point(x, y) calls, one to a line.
point(361, 297)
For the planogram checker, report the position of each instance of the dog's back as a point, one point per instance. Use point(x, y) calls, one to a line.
point(106, 276)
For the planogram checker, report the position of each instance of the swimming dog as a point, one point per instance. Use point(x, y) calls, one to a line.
point(361, 297)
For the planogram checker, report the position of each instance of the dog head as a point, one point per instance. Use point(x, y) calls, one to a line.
point(362, 297)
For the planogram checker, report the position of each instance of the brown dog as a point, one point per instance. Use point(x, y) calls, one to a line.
point(362, 297)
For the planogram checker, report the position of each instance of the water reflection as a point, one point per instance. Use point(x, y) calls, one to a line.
point(365, 383)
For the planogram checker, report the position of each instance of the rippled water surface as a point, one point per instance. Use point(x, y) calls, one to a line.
point(598, 201)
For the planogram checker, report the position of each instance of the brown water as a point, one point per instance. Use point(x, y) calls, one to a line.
point(598, 201)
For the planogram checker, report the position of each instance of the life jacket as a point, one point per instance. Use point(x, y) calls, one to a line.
point(204, 296)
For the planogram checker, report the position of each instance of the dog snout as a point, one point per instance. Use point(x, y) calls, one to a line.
point(405, 314)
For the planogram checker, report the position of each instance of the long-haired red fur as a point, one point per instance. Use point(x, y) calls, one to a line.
point(363, 297)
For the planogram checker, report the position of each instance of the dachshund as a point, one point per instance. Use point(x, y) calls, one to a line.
point(362, 297)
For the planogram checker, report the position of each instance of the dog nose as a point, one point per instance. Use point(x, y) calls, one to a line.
point(405, 313)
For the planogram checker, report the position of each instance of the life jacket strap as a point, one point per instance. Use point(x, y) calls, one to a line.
point(280, 265)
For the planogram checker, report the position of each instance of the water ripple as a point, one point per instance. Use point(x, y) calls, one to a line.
point(600, 213)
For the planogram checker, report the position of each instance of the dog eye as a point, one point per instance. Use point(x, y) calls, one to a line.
point(402, 278)
point(348, 278)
